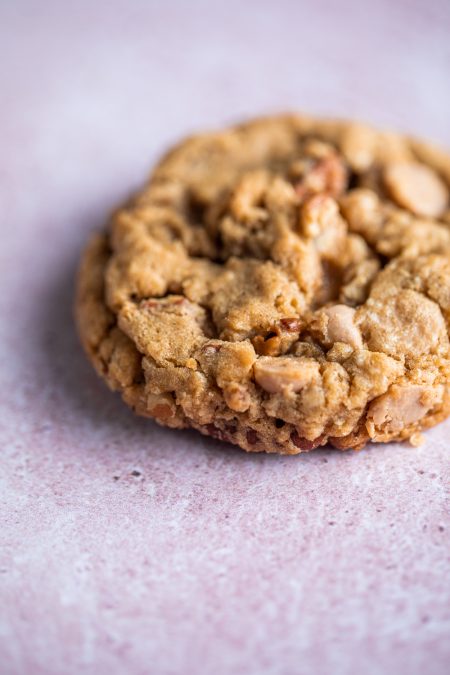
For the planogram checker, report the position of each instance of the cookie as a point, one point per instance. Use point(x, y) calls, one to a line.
point(280, 285)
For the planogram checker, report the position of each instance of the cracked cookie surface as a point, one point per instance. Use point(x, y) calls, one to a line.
point(279, 285)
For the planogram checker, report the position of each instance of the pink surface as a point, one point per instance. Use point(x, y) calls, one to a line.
point(130, 549)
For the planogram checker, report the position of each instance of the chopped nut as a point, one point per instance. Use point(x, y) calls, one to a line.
point(304, 443)
point(161, 406)
point(291, 324)
point(318, 214)
point(278, 338)
point(252, 437)
point(281, 374)
point(163, 304)
point(328, 175)
point(211, 348)
point(216, 432)
point(320, 221)
point(268, 345)
point(417, 188)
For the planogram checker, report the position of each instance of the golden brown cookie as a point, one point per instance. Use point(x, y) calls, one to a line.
point(279, 285)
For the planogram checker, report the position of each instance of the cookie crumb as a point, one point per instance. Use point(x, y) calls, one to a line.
point(417, 439)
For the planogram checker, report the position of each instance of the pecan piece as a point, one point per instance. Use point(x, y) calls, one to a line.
point(279, 337)
point(304, 443)
point(328, 175)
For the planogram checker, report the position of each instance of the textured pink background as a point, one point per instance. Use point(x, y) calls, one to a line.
point(209, 560)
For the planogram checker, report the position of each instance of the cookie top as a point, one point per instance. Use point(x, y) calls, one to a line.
point(281, 284)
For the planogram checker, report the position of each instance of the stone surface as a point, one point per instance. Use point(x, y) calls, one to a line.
point(128, 548)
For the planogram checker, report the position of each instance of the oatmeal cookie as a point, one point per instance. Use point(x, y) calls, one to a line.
point(279, 285)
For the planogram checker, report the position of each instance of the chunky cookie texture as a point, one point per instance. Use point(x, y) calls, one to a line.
point(280, 285)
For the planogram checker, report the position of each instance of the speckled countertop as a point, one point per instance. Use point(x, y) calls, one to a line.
point(125, 548)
